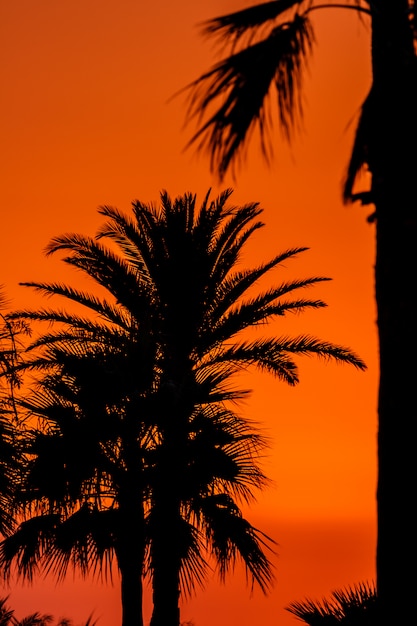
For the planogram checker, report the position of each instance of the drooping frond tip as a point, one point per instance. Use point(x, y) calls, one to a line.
point(234, 96)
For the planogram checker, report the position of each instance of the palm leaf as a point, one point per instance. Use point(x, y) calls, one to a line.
point(242, 83)
point(27, 546)
point(275, 355)
point(227, 290)
point(351, 605)
point(231, 536)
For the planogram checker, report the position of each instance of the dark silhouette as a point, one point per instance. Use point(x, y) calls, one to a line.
point(7, 618)
point(11, 334)
point(353, 606)
point(270, 44)
point(137, 454)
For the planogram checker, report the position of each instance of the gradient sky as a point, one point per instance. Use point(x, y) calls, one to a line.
point(86, 120)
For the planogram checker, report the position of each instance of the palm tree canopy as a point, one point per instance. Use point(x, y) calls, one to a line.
point(175, 288)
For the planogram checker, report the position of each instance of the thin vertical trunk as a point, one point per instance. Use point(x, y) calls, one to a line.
point(130, 555)
point(131, 539)
point(167, 532)
point(393, 166)
point(131, 589)
point(165, 559)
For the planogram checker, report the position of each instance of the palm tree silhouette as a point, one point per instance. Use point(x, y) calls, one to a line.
point(82, 493)
point(145, 384)
point(353, 606)
point(270, 45)
point(85, 490)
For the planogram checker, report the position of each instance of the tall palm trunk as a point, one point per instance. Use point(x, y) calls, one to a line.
point(393, 164)
point(130, 566)
point(167, 531)
point(165, 555)
point(131, 536)
point(130, 550)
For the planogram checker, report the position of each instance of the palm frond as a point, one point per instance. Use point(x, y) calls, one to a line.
point(6, 614)
point(35, 619)
point(229, 242)
point(27, 546)
point(101, 307)
point(100, 263)
point(243, 83)
point(228, 289)
point(351, 605)
point(193, 571)
point(85, 540)
point(276, 355)
point(230, 315)
point(123, 230)
point(231, 536)
point(209, 219)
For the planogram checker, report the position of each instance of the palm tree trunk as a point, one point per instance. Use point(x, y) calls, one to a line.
point(166, 510)
point(130, 556)
point(131, 536)
point(393, 166)
point(131, 590)
point(166, 534)
point(165, 562)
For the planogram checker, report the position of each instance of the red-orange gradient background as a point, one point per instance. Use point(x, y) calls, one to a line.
point(85, 121)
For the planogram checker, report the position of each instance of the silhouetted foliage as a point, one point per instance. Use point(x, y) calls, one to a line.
point(8, 618)
point(352, 606)
point(136, 453)
point(11, 333)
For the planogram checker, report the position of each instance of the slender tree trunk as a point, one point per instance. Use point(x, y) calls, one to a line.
point(167, 530)
point(165, 560)
point(166, 534)
point(130, 557)
point(131, 540)
point(392, 149)
point(131, 589)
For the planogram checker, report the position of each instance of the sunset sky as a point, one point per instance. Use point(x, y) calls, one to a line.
point(87, 119)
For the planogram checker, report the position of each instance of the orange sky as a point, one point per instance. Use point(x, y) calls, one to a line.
point(85, 121)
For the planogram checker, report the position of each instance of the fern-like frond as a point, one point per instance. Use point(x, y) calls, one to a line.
point(240, 86)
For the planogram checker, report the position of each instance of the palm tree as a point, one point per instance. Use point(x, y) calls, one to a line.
point(81, 493)
point(81, 485)
point(158, 359)
point(270, 45)
point(353, 606)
